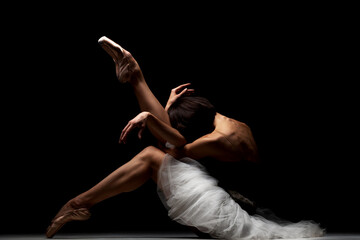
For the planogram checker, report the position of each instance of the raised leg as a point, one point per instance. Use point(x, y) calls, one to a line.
point(128, 70)
point(128, 177)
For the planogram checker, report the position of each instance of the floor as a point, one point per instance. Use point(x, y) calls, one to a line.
point(150, 236)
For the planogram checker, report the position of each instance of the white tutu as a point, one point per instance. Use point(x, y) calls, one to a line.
point(193, 198)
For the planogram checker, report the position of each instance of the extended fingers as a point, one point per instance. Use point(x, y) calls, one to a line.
point(128, 128)
point(125, 132)
point(186, 92)
point(140, 133)
point(179, 88)
point(190, 91)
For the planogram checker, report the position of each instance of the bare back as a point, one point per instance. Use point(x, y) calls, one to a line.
point(235, 138)
point(231, 141)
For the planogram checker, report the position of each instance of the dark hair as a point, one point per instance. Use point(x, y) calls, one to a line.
point(192, 116)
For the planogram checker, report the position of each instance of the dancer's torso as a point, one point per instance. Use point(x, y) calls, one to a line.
point(235, 138)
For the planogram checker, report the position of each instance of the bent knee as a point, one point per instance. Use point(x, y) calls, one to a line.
point(150, 150)
point(152, 155)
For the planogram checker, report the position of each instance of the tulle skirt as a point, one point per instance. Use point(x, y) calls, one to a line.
point(193, 198)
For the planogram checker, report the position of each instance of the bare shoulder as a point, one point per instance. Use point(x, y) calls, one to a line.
point(209, 140)
point(238, 138)
point(201, 147)
point(231, 140)
point(214, 145)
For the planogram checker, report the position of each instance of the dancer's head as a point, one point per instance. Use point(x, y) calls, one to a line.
point(192, 116)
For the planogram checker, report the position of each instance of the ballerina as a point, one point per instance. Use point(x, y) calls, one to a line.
point(189, 129)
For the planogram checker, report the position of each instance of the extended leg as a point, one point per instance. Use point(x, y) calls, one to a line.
point(128, 177)
point(128, 70)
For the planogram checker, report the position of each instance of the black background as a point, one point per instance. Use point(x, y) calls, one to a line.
point(286, 71)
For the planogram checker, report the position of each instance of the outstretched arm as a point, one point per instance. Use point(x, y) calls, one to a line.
point(162, 131)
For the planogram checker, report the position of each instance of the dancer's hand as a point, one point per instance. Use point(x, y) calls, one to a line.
point(178, 92)
point(138, 122)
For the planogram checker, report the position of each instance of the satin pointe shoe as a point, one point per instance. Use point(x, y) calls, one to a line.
point(125, 65)
point(80, 214)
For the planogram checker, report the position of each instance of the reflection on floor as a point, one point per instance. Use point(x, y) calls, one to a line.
point(150, 236)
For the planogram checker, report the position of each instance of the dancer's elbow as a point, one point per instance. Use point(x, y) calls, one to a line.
point(180, 142)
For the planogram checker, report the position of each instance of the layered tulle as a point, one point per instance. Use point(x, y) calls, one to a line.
point(193, 198)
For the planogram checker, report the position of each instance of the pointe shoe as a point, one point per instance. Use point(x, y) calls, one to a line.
point(80, 214)
point(125, 65)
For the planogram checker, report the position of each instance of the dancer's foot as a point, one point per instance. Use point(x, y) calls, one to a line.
point(66, 214)
point(127, 69)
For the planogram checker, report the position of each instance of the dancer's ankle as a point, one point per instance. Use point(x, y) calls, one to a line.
point(136, 79)
point(79, 202)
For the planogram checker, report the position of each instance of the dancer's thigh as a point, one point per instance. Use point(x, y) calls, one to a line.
point(154, 157)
